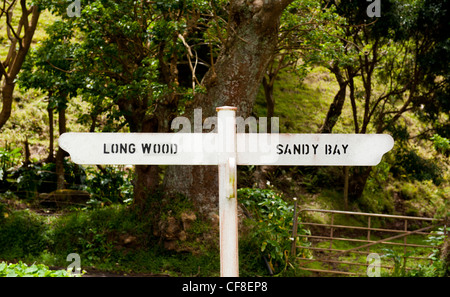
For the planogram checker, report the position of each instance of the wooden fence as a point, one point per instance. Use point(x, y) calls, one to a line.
point(339, 249)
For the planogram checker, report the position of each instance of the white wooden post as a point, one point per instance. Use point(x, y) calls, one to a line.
point(229, 254)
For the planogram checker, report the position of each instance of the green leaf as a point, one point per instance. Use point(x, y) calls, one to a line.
point(32, 269)
point(263, 246)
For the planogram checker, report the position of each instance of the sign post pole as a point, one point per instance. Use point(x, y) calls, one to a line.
point(228, 218)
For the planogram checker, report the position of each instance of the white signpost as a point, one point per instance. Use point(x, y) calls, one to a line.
point(226, 149)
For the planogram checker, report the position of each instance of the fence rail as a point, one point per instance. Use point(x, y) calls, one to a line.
point(322, 246)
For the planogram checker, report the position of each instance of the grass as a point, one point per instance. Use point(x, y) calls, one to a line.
point(117, 239)
point(391, 256)
point(300, 105)
point(98, 236)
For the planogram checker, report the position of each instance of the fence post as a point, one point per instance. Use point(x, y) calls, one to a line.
point(331, 230)
point(228, 219)
point(368, 233)
point(405, 239)
point(294, 230)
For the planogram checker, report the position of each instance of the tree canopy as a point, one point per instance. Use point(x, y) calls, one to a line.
point(321, 66)
point(141, 64)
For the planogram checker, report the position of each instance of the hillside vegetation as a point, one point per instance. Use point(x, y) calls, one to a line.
point(98, 214)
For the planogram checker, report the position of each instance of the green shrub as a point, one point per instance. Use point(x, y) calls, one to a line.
point(110, 185)
point(81, 234)
point(21, 234)
point(419, 198)
point(8, 159)
point(409, 164)
point(28, 181)
point(409, 191)
point(36, 178)
point(441, 144)
point(272, 220)
point(96, 234)
point(23, 270)
point(437, 267)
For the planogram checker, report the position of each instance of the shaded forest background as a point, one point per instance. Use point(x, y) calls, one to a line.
point(127, 66)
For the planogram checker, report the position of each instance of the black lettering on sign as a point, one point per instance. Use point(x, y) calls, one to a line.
point(119, 148)
point(160, 148)
point(345, 148)
point(157, 148)
point(335, 149)
point(287, 149)
point(146, 148)
point(280, 149)
point(165, 148)
point(296, 149)
point(301, 149)
point(315, 146)
point(132, 148)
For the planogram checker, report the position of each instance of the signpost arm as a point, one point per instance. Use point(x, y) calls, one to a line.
point(226, 128)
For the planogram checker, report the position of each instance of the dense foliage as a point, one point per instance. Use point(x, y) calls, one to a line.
point(133, 66)
point(23, 270)
point(272, 221)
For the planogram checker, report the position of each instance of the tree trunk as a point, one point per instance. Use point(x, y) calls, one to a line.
point(27, 153)
point(335, 110)
point(234, 81)
point(17, 52)
point(59, 162)
point(147, 177)
point(7, 99)
point(270, 101)
point(358, 182)
point(146, 182)
point(61, 154)
point(51, 153)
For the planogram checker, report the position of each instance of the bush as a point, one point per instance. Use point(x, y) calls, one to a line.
point(23, 270)
point(36, 178)
point(409, 164)
point(21, 234)
point(8, 158)
point(272, 220)
point(441, 144)
point(98, 235)
point(437, 267)
point(110, 185)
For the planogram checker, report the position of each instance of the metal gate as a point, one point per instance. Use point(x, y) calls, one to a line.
point(401, 242)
